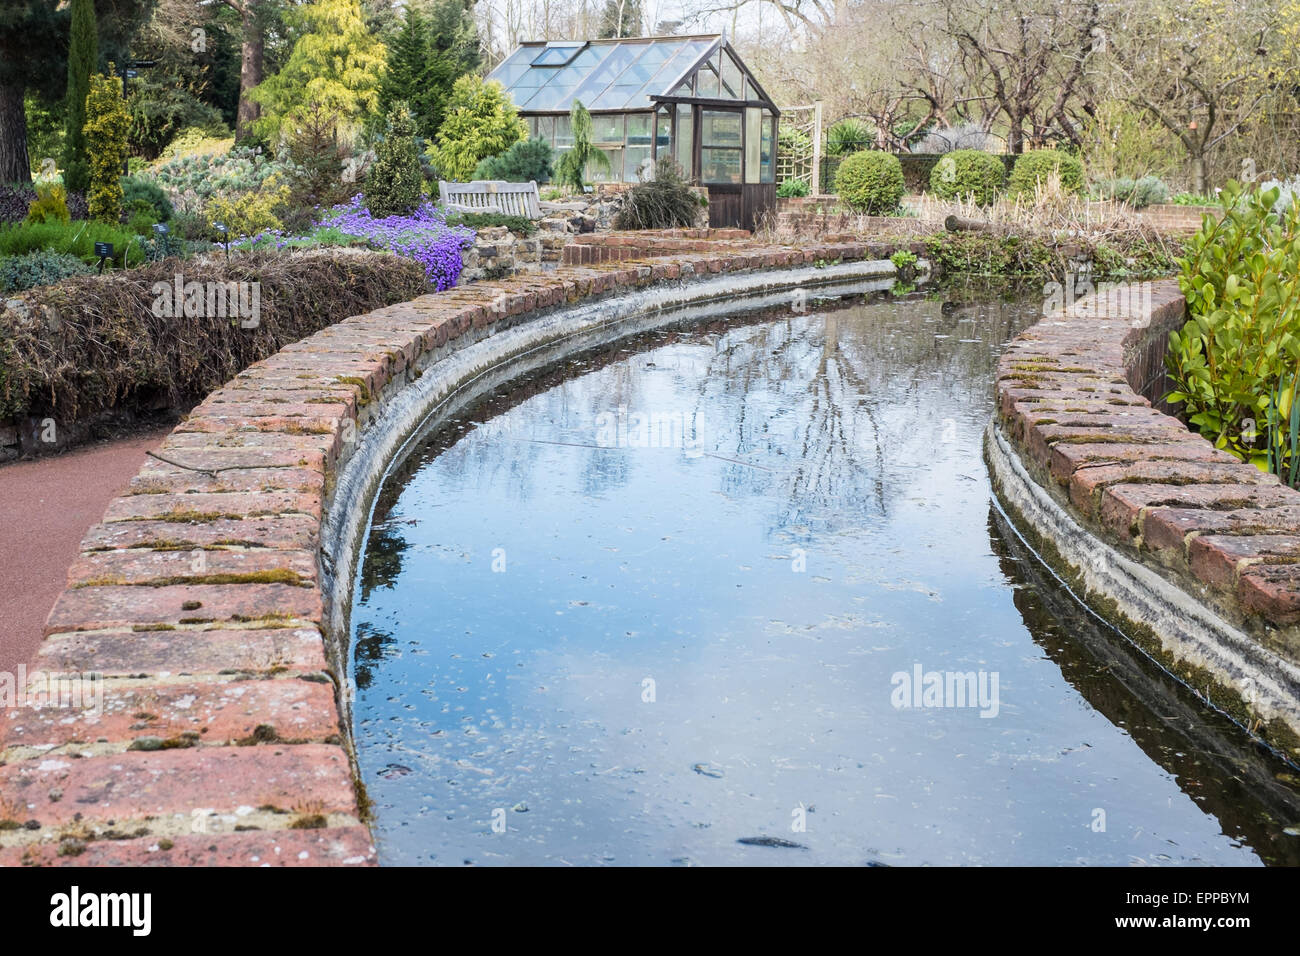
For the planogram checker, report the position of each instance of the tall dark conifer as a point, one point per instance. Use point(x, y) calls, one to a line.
point(83, 60)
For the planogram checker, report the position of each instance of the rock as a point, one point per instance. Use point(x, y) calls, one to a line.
point(707, 770)
point(771, 841)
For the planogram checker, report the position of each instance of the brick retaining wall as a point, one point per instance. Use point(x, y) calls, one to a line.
point(199, 599)
point(1071, 403)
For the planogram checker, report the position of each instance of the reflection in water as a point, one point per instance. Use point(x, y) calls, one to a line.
point(649, 609)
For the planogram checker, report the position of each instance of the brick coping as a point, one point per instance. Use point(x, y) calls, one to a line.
point(1075, 410)
point(198, 611)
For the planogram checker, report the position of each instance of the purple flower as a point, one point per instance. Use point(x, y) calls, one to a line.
point(423, 236)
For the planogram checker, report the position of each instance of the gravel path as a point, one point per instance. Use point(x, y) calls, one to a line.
point(46, 506)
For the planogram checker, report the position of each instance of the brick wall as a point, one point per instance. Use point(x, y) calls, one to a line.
point(198, 599)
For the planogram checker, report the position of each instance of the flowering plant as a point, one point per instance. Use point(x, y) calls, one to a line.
point(423, 236)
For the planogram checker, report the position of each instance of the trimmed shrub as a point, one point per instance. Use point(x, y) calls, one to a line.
point(666, 202)
point(394, 183)
point(38, 268)
point(529, 160)
point(870, 181)
point(106, 127)
point(118, 351)
point(968, 174)
point(1037, 167)
point(138, 189)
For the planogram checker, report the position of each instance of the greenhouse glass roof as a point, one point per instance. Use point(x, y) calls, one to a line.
point(616, 74)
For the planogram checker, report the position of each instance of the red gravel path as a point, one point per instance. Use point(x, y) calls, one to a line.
point(46, 506)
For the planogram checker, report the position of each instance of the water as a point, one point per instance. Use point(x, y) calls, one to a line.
point(580, 640)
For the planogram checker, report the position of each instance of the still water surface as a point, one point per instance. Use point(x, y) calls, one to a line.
point(662, 606)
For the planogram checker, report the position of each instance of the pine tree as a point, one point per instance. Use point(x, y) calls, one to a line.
point(83, 55)
point(411, 76)
point(336, 63)
point(437, 44)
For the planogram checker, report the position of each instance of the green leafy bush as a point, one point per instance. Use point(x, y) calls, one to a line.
point(792, 189)
point(1138, 193)
point(247, 214)
point(519, 225)
point(968, 174)
point(1241, 278)
point(848, 136)
point(1193, 199)
point(666, 202)
point(38, 268)
point(50, 205)
point(72, 238)
point(481, 121)
point(870, 181)
point(1037, 166)
point(394, 183)
point(529, 160)
point(159, 106)
point(903, 259)
point(139, 189)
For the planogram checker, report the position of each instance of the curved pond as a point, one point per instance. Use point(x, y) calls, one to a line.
point(737, 594)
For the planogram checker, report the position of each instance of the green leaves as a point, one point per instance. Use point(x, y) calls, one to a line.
point(1236, 360)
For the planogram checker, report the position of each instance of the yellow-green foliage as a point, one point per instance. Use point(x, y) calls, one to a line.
point(107, 122)
point(481, 121)
point(50, 204)
point(337, 64)
point(247, 214)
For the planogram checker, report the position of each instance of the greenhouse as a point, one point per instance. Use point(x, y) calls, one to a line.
point(689, 98)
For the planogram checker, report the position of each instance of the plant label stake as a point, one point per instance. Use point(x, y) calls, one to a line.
point(105, 252)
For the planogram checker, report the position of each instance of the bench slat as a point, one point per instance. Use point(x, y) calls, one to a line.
point(511, 199)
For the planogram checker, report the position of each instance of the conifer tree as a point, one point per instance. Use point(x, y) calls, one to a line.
point(337, 63)
point(83, 54)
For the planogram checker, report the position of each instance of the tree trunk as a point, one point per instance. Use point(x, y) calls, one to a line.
point(1198, 175)
point(15, 165)
point(252, 59)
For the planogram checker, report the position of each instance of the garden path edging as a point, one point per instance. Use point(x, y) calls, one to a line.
point(205, 602)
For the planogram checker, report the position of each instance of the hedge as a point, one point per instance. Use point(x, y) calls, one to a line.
point(968, 174)
point(870, 181)
point(93, 344)
point(916, 169)
point(1034, 167)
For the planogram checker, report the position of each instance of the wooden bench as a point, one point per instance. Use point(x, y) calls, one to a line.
point(491, 196)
